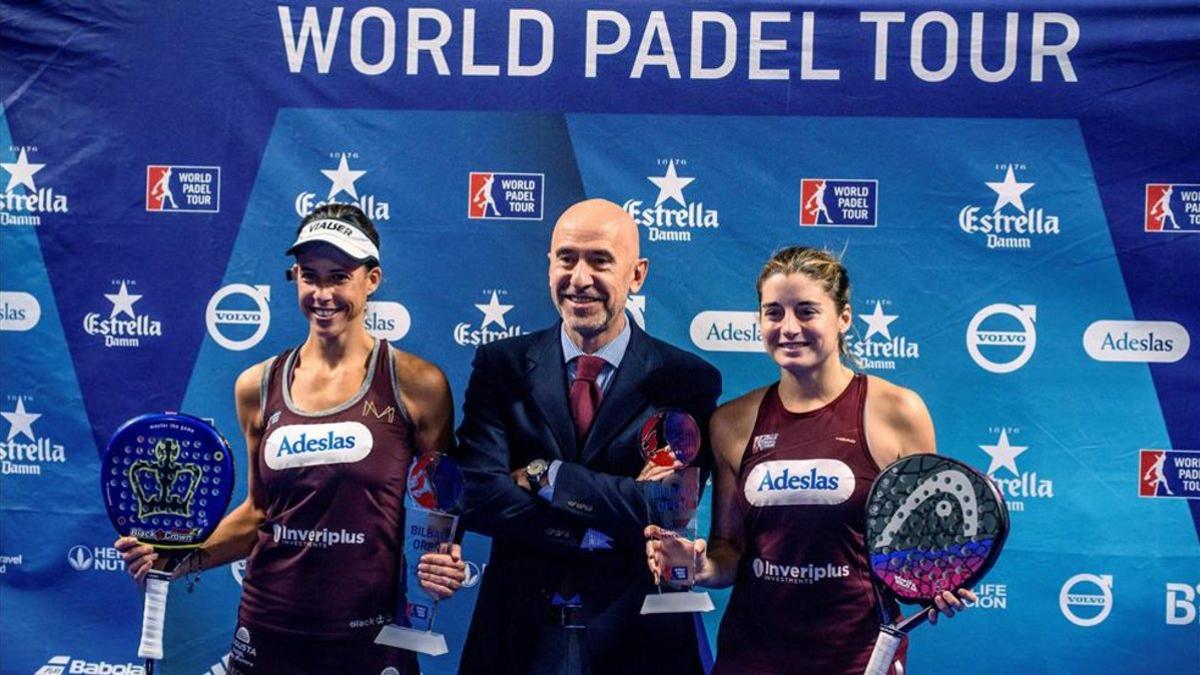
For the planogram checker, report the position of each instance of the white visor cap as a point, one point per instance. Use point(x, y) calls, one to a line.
point(341, 235)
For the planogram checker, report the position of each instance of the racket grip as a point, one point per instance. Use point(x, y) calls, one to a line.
point(154, 614)
point(885, 651)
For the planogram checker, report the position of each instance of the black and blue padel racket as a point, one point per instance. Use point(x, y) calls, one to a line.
point(933, 524)
point(167, 479)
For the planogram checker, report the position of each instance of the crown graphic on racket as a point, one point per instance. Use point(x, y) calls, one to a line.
point(164, 485)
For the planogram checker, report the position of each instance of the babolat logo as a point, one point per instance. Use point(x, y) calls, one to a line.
point(23, 453)
point(492, 327)
point(494, 195)
point(19, 311)
point(118, 332)
point(60, 665)
point(297, 445)
point(838, 202)
point(675, 221)
point(726, 331)
point(25, 207)
point(878, 349)
point(797, 574)
point(176, 188)
point(799, 481)
point(322, 538)
point(1017, 486)
point(343, 180)
point(1137, 341)
point(1009, 215)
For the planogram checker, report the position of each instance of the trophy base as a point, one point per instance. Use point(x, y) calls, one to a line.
point(420, 641)
point(677, 602)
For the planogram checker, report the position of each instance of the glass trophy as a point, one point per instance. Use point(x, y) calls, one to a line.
point(435, 490)
point(668, 436)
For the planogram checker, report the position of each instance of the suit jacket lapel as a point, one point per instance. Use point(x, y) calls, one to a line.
point(626, 395)
point(548, 386)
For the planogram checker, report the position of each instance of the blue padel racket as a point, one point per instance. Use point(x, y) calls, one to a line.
point(167, 479)
point(933, 524)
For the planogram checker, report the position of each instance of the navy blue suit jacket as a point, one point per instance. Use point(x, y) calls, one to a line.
point(516, 410)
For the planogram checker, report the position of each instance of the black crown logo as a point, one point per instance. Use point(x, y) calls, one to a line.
point(164, 486)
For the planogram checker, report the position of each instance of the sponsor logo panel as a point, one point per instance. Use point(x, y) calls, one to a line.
point(388, 320)
point(496, 195)
point(493, 326)
point(239, 315)
point(1002, 337)
point(19, 311)
point(878, 348)
point(799, 481)
point(344, 188)
point(65, 665)
point(1136, 341)
point(93, 559)
point(183, 189)
point(1172, 207)
point(1086, 599)
point(1010, 223)
point(674, 217)
point(1170, 474)
point(297, 445)
point(838, 202)
point(23, 452)
point(799, 575)
point(726, 331)
point(1183, 604)
point(24, 202)
point(124, 326)
point(990, 596)
point(315, 538)
point(1020, 488)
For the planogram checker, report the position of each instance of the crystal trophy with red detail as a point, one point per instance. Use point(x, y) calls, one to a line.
point(667, 437)
point(435, 491)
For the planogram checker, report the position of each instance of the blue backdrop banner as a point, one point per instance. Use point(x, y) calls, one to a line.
point(1015, 190)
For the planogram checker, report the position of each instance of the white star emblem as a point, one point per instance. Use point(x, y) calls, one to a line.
point(122, 302)
point(342, 179)
point(21, 172)
point(1009, 192)
point(670, 186)
point(20, 422)
point(1003, 454)
point(494, 312)
point(877, 322)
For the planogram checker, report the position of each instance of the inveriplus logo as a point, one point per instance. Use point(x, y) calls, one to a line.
point(673, 217)
point(297, 445)
point(122, 332)
point(27, 206)
point(1009, 225)
point(24, 453)
point(315, 538)
point(786, 573)
point(344, 181)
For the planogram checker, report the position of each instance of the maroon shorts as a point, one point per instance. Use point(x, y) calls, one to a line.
point(262, 652)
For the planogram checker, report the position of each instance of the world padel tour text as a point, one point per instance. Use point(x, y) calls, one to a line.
point(695, 45)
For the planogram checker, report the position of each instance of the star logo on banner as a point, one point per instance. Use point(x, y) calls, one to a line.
point(494, 312)
point(1003, 454)
point(877, 322)
point(21, 172)
point(122, 302)
point(1009, 192)
point(670, 186)
point(20, 422)
point(342, 179)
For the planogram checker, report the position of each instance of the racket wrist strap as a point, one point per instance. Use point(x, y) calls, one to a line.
point(154, 614)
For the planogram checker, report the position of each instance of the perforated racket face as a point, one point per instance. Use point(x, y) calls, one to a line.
point(167, 479)
point(933, 524)
point(670, 435)
point(436, 483)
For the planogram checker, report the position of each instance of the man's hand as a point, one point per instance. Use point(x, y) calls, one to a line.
point(442, 573)
point(665, 549)
point(947, 603)
point(653, 472)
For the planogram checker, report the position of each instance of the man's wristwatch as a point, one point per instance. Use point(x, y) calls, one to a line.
point(537, 473)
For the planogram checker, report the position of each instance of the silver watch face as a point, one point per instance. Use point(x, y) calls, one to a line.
point(537, 467)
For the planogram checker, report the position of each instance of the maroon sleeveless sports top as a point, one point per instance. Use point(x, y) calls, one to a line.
point(328, 554)
point(802, 601)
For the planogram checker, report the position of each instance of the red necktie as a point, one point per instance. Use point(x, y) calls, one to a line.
point(585, 394)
